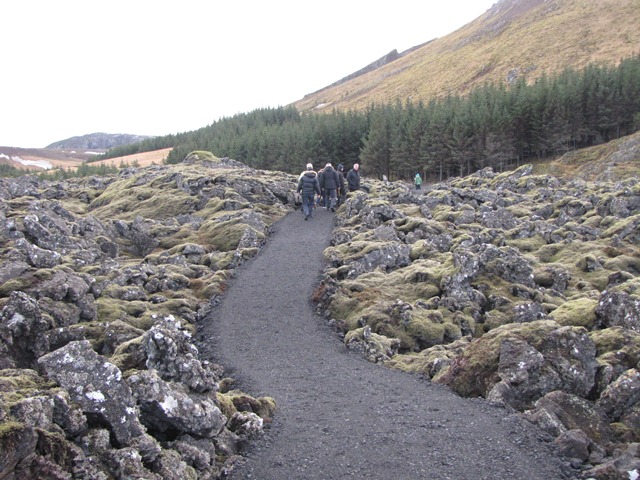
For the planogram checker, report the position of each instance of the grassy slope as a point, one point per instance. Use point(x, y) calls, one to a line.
point(524, 35)
point(613, 161)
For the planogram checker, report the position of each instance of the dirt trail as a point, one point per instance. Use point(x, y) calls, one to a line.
point(338, 415)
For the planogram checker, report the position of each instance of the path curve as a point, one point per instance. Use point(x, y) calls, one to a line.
point(339, 416)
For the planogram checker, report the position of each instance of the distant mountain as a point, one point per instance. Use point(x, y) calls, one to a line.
point(97, 141)
point(513, 39)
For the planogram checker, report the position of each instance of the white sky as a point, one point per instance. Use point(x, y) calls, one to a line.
point(154, 67)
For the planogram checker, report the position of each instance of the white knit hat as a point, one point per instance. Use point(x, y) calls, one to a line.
point(309, 166)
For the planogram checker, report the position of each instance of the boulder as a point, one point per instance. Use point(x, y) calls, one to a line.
point(559, 412)
point(618, 308)
point(22, 329)
point(166, 408)
point(517, 364)
point(97, 386)
point(170, 351)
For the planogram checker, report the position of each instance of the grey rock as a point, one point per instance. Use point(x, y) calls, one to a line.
point(618, 309)
point(164, 407)
point(621, 395)
point(170, 351)
point(97, 386)
point(22, 328)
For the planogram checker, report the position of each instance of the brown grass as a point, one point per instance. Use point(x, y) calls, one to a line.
point(142, 159)
point(536, 37)
point(72, 159)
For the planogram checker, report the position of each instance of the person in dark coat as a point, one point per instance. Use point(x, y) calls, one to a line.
point(330, 184)
point(321, 197)
point(309, 186)
point(353, 178)
point(342, 192)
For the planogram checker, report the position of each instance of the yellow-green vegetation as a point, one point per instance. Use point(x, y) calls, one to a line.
point(378, 348)
point(616, 344)
point(225, 235)
point(135, 313)
point(129, 198)
point(236, 400)
point(18, 384)
point(583, 260)
point(201, 156)
point(526, 245)
point(580, 312)
point(127, 355)
point(431, 361)
point(27, 280)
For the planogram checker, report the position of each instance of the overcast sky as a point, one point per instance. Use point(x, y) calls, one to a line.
point(74, 67)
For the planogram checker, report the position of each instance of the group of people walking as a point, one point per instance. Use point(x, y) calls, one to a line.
point(329, 184)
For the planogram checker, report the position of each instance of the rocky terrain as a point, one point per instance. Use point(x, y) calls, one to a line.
point(102, 282)
point(522, 289)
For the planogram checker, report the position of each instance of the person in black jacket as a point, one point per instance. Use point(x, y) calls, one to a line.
point(353, 178)
point(330, 183)
point(321, 198)
point(309, 186)
point(342, 192)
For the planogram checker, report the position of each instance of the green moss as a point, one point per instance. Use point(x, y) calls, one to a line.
point(593, 221)
point(623, 263)
point(443, 213)
point(427, 329)
point(127, 355)
point(494, 319)
point(580, 312)
point(225, 403)
point(622, 224)
point(202, 155)
point(617, 341)
point(625, 433)
point(224, 236)
point(345, 308)
point(22, 379)
point(548, 253)
point(264, 407)
point(525, 245)
point(10, 433)
point(22, 283)
point(110, 310)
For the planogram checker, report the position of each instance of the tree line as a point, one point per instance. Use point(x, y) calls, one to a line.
point(494, 126)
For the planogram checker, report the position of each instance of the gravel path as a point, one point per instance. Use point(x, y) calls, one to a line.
point(339, 416)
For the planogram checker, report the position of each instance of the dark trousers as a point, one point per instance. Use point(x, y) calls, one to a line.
point(330, 198)
point(307, 204)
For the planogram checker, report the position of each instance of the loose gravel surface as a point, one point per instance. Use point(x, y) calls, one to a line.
point(339, 416)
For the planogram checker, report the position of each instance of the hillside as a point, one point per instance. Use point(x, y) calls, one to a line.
point(613, 161)
point(39, 159)
point(512, 39)
point(97, 141)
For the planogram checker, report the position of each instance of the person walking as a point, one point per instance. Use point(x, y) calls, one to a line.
point(309, 186)
point(353, 178)
point(330, 184)
point(418, 181)
point(342, 193)
point(321, 198)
